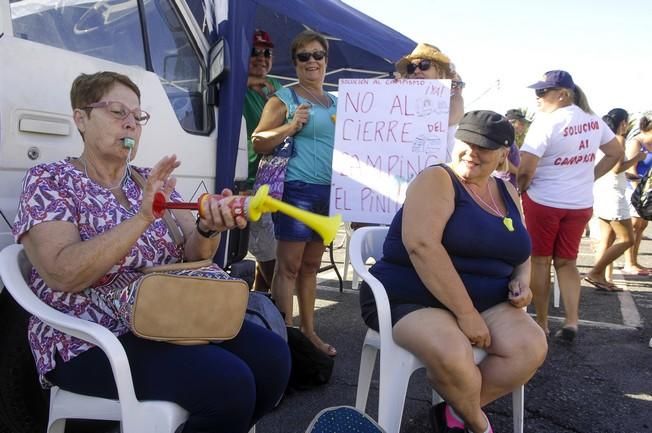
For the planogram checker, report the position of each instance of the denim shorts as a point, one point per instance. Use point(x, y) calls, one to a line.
point(307, 196)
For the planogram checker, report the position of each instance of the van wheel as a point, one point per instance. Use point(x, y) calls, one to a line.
point(23, 403)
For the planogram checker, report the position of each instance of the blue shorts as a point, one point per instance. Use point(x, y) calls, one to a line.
point(307, 196)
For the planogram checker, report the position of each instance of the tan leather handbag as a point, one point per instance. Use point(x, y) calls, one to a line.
point(186, 303)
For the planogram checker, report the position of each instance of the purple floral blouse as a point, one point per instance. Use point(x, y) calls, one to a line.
point(60, 192)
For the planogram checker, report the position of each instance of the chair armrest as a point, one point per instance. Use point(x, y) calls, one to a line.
point(88, 331)
point(382, 306)
point(377, 288)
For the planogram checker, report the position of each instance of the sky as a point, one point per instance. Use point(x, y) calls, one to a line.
point(501, 46)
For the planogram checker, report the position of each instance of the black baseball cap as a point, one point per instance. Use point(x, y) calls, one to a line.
point(515, 114)
point(486, 129)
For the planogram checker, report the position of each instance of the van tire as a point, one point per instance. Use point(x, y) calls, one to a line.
point(23, 403)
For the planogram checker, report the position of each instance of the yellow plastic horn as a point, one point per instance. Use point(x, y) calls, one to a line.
point(263, 203)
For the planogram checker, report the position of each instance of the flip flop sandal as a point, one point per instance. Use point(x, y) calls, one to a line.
point(327, 349)
point(615, 288)
point(330, 350)
point(602, 287)
point(639, 272)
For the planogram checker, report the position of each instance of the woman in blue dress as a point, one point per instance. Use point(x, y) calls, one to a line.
point(456, 267)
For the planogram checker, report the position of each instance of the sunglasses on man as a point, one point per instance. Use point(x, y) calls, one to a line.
point(257, 52)
point(305, 56)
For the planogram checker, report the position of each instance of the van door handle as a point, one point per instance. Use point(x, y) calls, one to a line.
point(44, 126)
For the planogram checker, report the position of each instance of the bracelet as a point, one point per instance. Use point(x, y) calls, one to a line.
point(206, 233)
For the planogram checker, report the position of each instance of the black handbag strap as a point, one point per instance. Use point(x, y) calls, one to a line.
point(173, 227)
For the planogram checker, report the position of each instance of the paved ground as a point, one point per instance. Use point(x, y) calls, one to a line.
point(600, 384)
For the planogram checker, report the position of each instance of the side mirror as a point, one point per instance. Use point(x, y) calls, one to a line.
point(218, 62)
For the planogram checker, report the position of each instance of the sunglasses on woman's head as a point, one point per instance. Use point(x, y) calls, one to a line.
point(305, 56)
point(542, 92)
point(424, 65)
point(257, 52)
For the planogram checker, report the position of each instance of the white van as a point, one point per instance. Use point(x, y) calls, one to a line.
point(163, 46)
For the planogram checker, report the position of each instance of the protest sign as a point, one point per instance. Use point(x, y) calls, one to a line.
point(386, 132)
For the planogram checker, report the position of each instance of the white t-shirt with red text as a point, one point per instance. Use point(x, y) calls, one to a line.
point(566, 142)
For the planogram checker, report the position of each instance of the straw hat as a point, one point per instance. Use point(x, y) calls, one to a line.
point(422, 51)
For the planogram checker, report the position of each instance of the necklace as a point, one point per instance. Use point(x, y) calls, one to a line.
point(316, 99)
point(509, 224)
point(110, 188)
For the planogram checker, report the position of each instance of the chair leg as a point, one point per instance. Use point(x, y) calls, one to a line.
point(337, 271)
point(436, 398)
point(555, 300)
point(393, 389)
point(57, 426)
point(355, 280)
point(367, 362)
point(345, 272)
point(518, 400)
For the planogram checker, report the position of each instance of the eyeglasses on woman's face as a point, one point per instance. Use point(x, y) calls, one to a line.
point(305, 56)
point(120, 111)
point(423, 65)
point(540, 93)
point(257, 52)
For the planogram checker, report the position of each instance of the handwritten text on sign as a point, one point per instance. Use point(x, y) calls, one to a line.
point(386, 132)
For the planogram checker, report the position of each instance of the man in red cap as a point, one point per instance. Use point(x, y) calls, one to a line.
point(262, 243)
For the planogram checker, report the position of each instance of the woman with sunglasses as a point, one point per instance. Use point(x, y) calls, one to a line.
point(88, 228)
point(428, 62)
point(307, 179)
point(555, 179)
point(456, 268)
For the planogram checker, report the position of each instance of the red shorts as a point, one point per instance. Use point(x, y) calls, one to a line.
point(554, 232)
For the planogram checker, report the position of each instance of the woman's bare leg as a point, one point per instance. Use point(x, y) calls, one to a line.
point(631, 256)
point(264, 275)
point(610, 251)
point(307, 292)
point(518, 348)
point(433, 335)
point(609, 270)
point(540, 286)
point(570, 287)
point(288, 264)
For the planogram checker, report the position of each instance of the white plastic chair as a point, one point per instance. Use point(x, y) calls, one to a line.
point(135, 416)
point(396, 363)
point(355, 279)
point(556, 291)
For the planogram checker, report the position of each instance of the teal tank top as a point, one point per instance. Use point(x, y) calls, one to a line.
point(313, 145)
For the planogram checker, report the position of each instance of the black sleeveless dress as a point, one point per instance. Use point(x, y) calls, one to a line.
point(482, 250)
